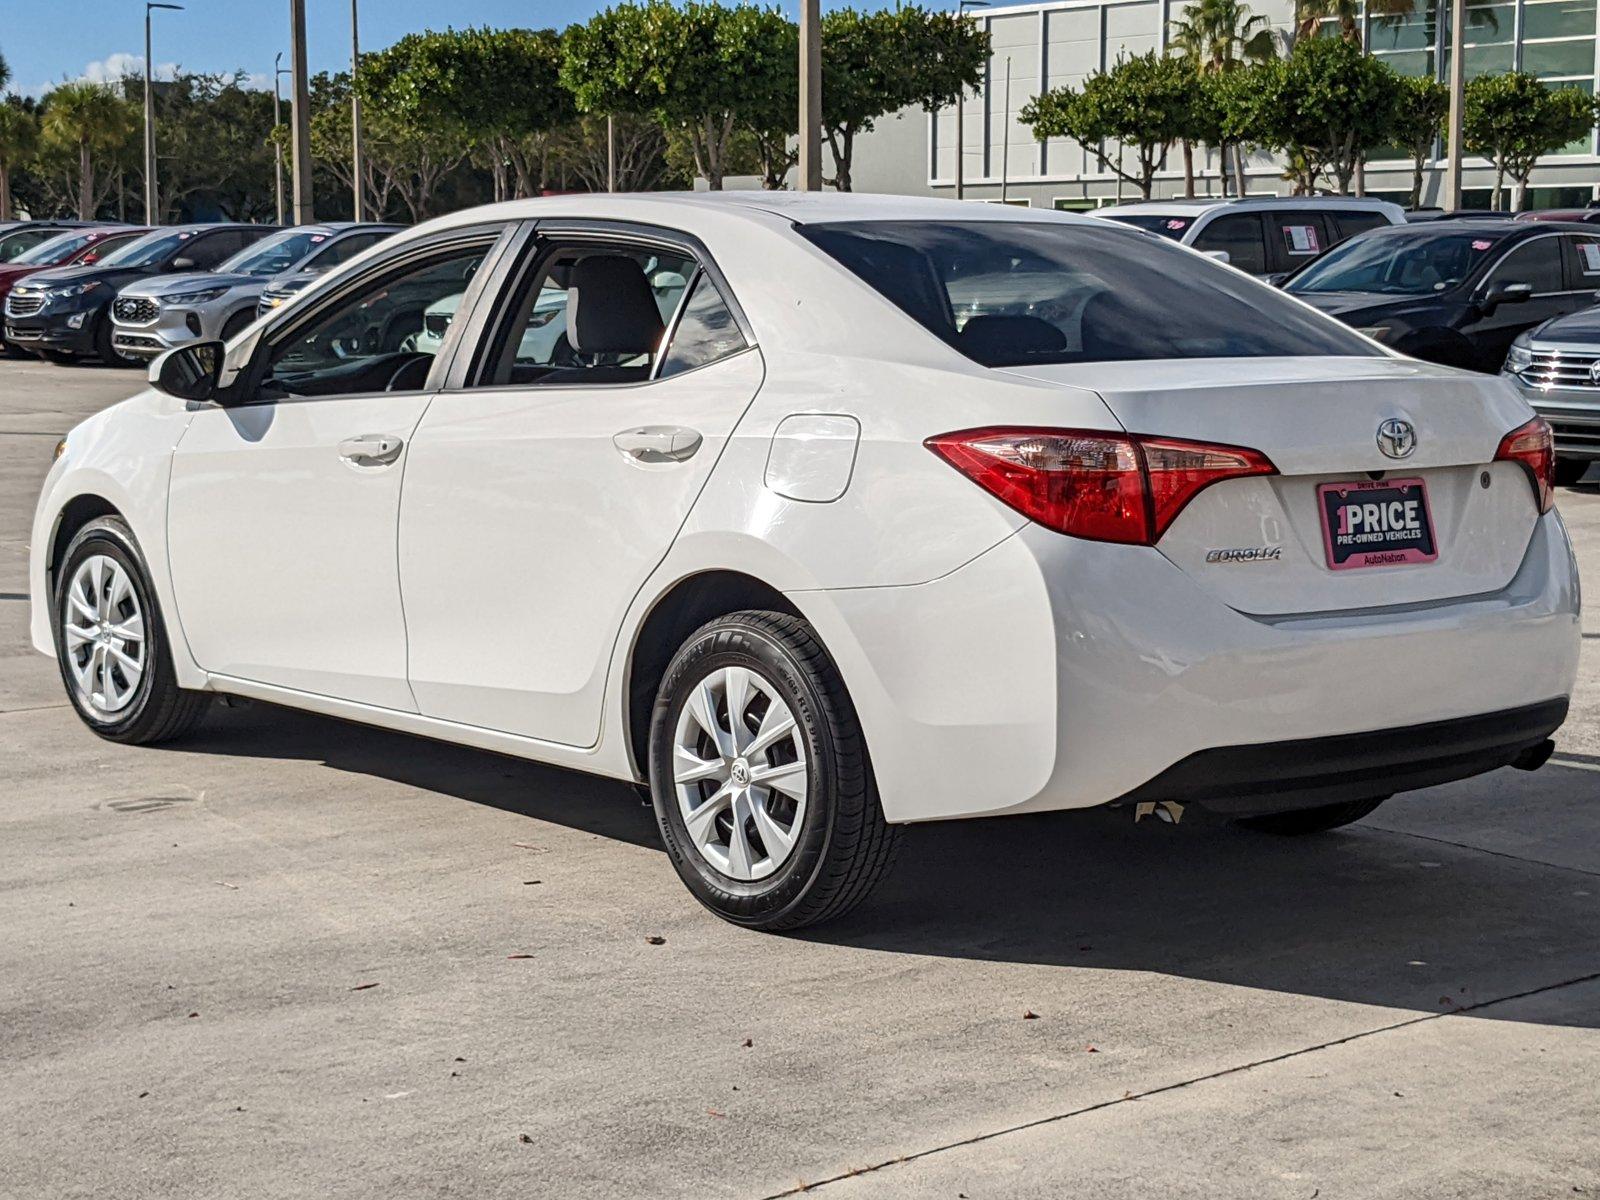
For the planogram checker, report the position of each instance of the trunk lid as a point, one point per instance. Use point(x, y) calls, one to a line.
point(1317, 419)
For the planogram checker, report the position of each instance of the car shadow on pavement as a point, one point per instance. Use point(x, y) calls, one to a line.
point(1370, 914)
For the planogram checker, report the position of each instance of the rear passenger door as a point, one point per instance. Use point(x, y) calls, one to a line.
point(550, 477)
point(1241, 236)
point(1582, 254)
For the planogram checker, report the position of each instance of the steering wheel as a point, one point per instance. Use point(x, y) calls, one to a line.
point(399, 379)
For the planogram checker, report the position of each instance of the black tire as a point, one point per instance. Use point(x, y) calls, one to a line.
point(234, 324)
point(843, 846)
point(108, 354)
point(1570, 470)
point(159, 709)
point(61, 358)
point(1312, 820)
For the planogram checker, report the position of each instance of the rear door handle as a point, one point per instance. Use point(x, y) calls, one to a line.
point(371, 449)
point(658, 443)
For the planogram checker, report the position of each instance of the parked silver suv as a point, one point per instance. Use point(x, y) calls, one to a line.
point(1556, 367)
point(150, 316)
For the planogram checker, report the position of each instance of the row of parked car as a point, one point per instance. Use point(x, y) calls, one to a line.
point(1488, 292)
point(124, 294)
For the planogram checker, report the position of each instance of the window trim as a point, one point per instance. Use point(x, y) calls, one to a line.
point(295, 317)
point(532, 245)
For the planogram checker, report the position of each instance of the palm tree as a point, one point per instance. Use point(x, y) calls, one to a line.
point(1219, 36)
point(93, 119)
point(1309, 14)
point(19, 132)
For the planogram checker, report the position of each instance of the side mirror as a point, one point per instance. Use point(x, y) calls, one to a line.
point(190, 372)
point(183, 263)
point(1497, 294)
point(1276, 278)
point(1222, 256)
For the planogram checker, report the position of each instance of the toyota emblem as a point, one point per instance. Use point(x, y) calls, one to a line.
point(1594, 372)
point(1397, 438)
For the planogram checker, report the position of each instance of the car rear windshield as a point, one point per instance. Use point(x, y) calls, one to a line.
point(1166, 226)
point(1009, 293)
point(1412, 263)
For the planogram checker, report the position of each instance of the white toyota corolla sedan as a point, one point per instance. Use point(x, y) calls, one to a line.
point(899, 510)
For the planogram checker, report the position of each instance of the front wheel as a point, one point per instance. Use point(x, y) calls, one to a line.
point(111, 644)
point(759, 775)
point(1312, 820)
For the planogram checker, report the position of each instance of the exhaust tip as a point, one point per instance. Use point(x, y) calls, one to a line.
point(1535, 757)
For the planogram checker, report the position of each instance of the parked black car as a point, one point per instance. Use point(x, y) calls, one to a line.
point(66, 313)
point(1455, 292)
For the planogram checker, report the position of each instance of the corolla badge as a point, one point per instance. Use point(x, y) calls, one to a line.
point(1397, 438)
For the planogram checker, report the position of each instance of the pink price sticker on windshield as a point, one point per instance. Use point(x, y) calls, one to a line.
point(1178, 223)
point(1481, 244)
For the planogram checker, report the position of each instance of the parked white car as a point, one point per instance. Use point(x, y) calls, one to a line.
point(855, 537)
point(1266, 236)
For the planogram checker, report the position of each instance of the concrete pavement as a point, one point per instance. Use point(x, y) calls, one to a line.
point(289, 957)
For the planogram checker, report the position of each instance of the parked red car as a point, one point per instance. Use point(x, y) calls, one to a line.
point(69, 248)
point(1588, 215)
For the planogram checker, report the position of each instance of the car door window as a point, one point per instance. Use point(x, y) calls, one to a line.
point(589, 314)
point(1536, 262)
point(705, 333)
point(1582, 252)
point(342, 250)
point(1297, 237)
point(209, 249)
point(380, 336)
point(1348, 224)
point(1239, 235)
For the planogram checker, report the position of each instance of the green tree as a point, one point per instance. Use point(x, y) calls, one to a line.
point(1310, 14)
point(1146, 103)
point(500, 89)
point(1514, 120)
point(1420, 113)
point(93, 120)
point(702, 68)
point(875, 63)
point(1323, 107)
point(19, 135)
point(1219, 36)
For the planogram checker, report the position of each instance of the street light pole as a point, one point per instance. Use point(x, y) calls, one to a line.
point(961, 114)
point(150, 117)
point(299, 115)
point(278, 72)
point(355, 106)
point(810, 162)
point(1451, 200)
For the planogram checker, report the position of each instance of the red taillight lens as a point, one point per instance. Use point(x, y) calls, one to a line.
point(1108, 487)
point(1534, 446)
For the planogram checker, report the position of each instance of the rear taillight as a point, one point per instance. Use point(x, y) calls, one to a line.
point(1533, 446)
point(1104, 486)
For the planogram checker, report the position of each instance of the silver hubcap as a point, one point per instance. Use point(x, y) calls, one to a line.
point(739, 770)
point(105, 637)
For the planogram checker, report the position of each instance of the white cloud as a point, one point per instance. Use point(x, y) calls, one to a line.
point(110, 69)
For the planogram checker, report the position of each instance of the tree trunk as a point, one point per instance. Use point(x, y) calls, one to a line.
point(5, 191)
point(1188, 167)
point(1499, 183)
point(1238, 169)
point(1416, 177)
point(85, 183)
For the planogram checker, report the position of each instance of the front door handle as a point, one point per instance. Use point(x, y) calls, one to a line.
point(371, 449)
point(658, 443)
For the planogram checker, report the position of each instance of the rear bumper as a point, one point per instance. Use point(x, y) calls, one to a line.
point(1279, 776)
point(1053, 673)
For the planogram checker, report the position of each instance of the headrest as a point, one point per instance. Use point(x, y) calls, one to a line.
point(1010, 338)
point(610, 307)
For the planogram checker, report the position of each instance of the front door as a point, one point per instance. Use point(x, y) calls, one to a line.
point(1538, 263)
point(541, 496)
point(281, 521)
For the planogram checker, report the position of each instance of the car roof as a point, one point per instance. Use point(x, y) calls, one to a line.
point(1184, 205)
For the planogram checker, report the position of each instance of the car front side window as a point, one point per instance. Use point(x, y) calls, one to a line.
point(1536, 262)
point(380, 336)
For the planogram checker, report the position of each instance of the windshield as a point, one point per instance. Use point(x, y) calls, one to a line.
point(1166, 226)
point(274, 254)
point(1397, 264)
point(1011, 293)
point(58, 249)
point(150, 249)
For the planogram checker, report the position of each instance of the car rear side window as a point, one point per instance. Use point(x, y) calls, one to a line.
point(1239, 236)
point(1349, 224)
point(1011, 293)
point(706, 331)
point(1536, 262)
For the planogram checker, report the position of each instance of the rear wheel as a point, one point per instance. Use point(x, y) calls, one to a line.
point(60, 357)
point(1570, 470)
point(760, 779)
point(1312, 820)
point(111, 644)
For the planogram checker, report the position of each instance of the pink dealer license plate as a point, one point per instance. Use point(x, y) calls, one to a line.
point(1376, 523)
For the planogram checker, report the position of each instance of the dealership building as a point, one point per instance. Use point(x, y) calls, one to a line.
point(1042, 46)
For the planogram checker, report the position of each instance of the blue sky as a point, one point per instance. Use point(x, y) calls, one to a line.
point(45, 41)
